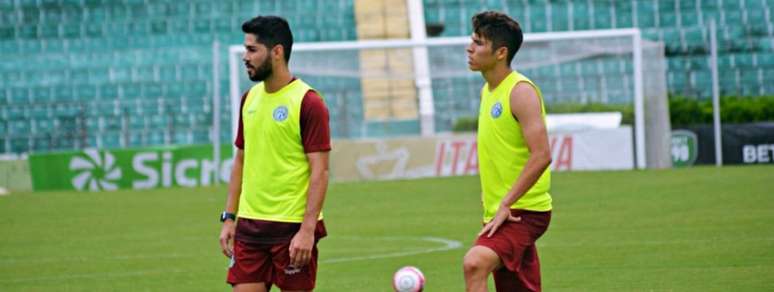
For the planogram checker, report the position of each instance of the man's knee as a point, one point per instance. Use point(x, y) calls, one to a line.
point(480, 259)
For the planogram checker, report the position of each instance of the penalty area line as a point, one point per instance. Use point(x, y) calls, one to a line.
point(447, 244)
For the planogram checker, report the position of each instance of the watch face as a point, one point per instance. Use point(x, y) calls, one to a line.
point(225, 216)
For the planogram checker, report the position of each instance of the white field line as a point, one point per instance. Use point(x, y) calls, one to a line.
point(92, 276)
point(447, 244)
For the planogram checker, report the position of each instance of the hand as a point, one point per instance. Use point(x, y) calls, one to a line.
point(227, 238)
point(301, 248)
point(503, 214)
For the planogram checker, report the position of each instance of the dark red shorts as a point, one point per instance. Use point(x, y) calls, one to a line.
point(261, 255)
point(514, 243)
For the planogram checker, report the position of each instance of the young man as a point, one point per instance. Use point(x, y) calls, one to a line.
point(280, 171)
point(513, 157)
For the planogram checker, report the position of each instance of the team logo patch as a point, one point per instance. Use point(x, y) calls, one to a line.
point(280, 113)
point(497, 110)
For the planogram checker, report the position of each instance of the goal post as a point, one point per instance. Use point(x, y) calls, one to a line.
point(374, 89)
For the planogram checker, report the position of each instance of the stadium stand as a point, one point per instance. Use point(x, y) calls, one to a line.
point(99, 73)
point(109, 74)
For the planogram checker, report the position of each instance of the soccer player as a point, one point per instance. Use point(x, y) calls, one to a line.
point(273, 217)
point(513, 157)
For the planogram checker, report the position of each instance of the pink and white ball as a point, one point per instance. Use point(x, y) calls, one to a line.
point(408, 279)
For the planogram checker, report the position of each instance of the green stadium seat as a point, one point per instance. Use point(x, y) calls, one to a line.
point(42, 143)
point(589, 68)
point(652, 34)
point(201, 135)
point(92, 124)
point(731, 17)
point(622, 6)
point(85, 92)
point(768, 87)
point(744, 60)
point(156, 137)
point(118, 74)
point(143, 73)
point(568, 70)
point(18, 127)
point(766, 60)
point(152, 90)
point(79, 76)
point(671, 37)
point(624, 20)
point(111, 122)
point(160, 121)
point(44, 125)
point(695, 39)
point(130, 90)
point(750, 90)
point(29, 31)
point(11, 78)
point(646, 14)
point(6, 33)
point(571, 85)
point(181, 137)
point(137, 122)
point(560, 17)
point(8, 47)
point(538, 21)
point(725, 62)
point(108, 91)
point(18, 144)
point(62, 93)
point(689, 18)
point(40, 111)
point(749, 76)
point(676, 64)
point(699, 63)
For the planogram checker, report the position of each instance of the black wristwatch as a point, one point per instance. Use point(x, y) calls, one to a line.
point(226, 215)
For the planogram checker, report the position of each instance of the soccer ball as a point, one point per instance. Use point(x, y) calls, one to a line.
point(408, 279)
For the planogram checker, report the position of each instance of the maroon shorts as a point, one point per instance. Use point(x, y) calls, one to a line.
point(514, 243)
point(262, 255)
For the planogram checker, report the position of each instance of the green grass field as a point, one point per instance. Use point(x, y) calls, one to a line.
point(699, 229)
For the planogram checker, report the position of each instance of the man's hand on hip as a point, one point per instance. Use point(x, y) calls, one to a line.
point(227, 238)
point(503, 214)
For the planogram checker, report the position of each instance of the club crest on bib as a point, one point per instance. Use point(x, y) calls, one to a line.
point(280, 113)
point(497, 110)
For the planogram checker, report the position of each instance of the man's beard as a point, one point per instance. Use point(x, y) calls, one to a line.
point(262, 72)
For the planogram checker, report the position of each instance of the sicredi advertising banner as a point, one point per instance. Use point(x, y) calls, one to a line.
point(143, 168)
point(351, 160)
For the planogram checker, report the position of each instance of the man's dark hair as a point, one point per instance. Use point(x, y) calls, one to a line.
point(500, 29)
point(271, 31)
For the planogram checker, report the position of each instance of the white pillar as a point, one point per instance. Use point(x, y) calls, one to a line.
point(422, 67)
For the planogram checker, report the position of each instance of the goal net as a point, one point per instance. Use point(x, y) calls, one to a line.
point(384, 88)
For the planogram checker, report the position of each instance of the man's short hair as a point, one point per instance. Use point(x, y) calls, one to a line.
point(271, 31)
point(500, 29)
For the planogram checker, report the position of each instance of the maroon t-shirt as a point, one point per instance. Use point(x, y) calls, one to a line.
point(316, 137)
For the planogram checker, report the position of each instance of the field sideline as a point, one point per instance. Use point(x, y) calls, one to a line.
point(697, 229)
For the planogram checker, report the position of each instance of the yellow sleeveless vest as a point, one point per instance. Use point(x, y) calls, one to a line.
point(275, 174)
point(503, 151)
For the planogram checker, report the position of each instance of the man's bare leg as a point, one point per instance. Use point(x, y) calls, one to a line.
point(479, 262)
